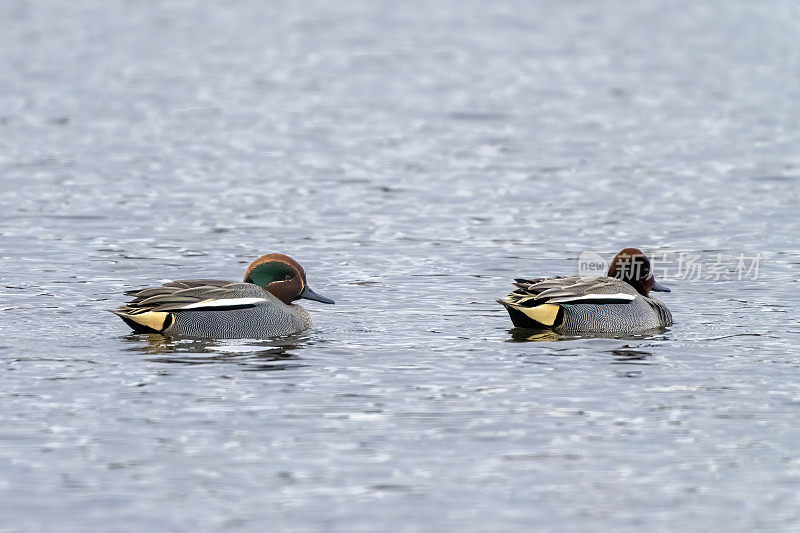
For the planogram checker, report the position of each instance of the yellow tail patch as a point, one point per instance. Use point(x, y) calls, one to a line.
point(151, 319)
point(544, 314)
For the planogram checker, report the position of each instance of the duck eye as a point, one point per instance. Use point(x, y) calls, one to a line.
point(288, 277)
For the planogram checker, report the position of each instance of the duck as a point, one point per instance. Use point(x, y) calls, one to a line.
point(259, 307)
point(617, 304)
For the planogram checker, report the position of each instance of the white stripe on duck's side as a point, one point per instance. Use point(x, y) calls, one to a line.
point(224, 302)
point(617, 298)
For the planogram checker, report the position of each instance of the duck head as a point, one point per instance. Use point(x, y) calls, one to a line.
point(633, 267)
point(283, 277)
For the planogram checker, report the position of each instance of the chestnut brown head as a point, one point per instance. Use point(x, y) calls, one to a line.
point(633, 267)
point(283, 277)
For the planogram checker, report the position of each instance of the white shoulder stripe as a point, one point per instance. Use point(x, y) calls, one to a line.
point(224, 302)
point(619, 297)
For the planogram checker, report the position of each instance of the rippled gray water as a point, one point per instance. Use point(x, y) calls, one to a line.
point(414, 160)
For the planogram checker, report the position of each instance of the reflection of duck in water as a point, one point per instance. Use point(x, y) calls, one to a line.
point(616, 304)
point(260, 306)
point(252, 354)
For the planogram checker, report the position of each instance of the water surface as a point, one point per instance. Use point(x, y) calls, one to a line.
point(414, 160)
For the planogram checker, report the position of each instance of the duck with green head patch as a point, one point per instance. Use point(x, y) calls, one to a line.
point(259, 307)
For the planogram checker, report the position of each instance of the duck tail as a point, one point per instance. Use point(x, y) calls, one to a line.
point(544, 315)
point(148, 322)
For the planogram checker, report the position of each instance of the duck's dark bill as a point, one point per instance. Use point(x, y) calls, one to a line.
point(659, 288)
point(308, 294)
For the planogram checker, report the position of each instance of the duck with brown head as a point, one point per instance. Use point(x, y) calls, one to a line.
point(617, 304)
point(633, 267)
point(261, 306)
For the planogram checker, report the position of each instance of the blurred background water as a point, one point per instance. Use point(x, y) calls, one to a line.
point(414, 157)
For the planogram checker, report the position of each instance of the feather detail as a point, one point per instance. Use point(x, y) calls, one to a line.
point(618, 298)
point(224, 302)
point(145, 322)
point(194, 295)
point(543, 314)
point(573, 290)
point(536, 316)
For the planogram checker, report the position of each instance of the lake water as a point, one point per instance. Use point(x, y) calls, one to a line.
point(414, 158)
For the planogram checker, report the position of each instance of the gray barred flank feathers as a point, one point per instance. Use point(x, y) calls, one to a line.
point(250, 322)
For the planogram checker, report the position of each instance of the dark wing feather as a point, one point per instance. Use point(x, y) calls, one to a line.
point(575, 289)
point(167, 288)
point(174, 296)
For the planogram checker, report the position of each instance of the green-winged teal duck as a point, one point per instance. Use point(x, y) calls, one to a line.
point(616, 304)
point(260, 306)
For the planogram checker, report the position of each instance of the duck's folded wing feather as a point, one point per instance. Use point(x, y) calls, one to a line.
point(181, 284)
point(571, 290)
point(196, 295)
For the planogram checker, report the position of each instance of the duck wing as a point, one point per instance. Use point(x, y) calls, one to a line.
point(570, 290)
point(195, 295)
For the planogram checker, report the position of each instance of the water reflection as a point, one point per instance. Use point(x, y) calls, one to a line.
point(545, 335)
point(256, 354)
point(624, 355)
point(535, 335)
